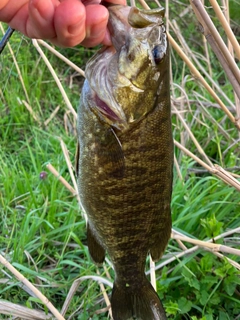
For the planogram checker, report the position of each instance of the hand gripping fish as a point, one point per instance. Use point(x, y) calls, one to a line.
point(125, 157)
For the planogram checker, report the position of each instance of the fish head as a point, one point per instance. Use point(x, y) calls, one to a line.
point(126, 76)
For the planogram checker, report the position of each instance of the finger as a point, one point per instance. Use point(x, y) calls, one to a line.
point(69, 23)
point(96, 24)
point(15, 14)
point(87, 2)
point(41, 16)
point(122, 2)
point(9, 9)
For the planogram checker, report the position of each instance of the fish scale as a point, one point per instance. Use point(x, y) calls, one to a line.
point(125, 164)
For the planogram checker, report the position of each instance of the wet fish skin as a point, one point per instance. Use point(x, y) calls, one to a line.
point(126, 155)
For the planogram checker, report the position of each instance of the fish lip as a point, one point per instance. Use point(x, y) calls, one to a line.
point(118, 25)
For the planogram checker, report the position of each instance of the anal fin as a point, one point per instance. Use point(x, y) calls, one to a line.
point(96, 250)
point(161, 237)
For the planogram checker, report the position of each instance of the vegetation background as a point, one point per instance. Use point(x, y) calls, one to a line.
point(42, 231)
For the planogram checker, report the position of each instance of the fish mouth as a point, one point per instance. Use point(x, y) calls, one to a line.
point(105, 103)
point(102, 77)
point(99, 72)
point(106, 72)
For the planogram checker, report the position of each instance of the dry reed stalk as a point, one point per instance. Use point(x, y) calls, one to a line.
point(178, 168)
point(17, 66)
point(180, 244)
point(75, 286)
point(218, 46)
point(236, 142)
point(53, 114)
point(216, 170)
point(30, 109)
point(27, 283)
point(61, 179)
point(195, 248)
point(107, 301)
point(152, 273)
point(21, 312)
point(62, 57)
point(75, 312)
point(70, 167)
point(221, 256)
point(107, 273)
point(199, 148)
point(184, 136)
point(199, 77)
point(31, 262)
point(226, 13)
point(103, 310)
point(214, 122)
point(2, 96)
point(167, 14)
point(158, 3)
point(221, 236)
point(197, 74)
point(9, 281)
point(225, 24)
point(188, 252)
point(69, 126)
point(207, 53)
point(213, 246)
point(194, 58)
point(226, 176)
point(143, 4)
point(205, 102)
point(48, 64)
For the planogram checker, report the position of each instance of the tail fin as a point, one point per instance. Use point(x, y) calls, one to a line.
point(140, 303)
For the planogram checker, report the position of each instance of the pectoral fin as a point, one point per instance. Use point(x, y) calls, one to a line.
point(96, 250)
point(161, 235)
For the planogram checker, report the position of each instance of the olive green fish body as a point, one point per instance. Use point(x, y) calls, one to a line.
point(125, 167)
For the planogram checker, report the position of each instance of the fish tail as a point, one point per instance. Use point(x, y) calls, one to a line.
point(139, 303)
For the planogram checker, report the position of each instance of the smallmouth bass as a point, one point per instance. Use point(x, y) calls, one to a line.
point(125, 157)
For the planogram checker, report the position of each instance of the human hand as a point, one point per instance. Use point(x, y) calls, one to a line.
point(63, 22)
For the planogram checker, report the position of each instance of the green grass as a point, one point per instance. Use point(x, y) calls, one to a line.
point(42, 232)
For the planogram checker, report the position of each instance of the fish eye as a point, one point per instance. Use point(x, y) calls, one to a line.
point(158, 53)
